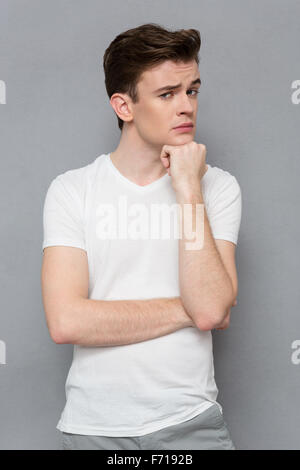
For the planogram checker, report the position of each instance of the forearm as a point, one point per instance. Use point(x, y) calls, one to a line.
point(116, 322)
point(205, 286)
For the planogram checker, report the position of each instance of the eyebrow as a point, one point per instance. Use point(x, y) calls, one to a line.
point(173, 87)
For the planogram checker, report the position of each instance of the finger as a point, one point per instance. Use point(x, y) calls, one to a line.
point(165, 161)
point(165, 156)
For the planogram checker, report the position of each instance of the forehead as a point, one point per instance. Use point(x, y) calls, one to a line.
point(167, 73)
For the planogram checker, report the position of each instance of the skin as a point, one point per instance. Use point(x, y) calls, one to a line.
point(186, 165)
point(149, 124)
point(148, 148)
point(149, 145)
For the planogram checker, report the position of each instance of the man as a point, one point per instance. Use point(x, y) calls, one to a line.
point(139, 306)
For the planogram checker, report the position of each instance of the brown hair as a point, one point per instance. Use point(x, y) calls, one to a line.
point(138, 49)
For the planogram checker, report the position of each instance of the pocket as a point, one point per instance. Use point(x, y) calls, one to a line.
point(217, 422)
point(225, 439)
point(214, 417)
point(223, 433)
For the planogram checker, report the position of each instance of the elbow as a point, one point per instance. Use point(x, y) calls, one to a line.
point(59, 332)
point(206, 323)
point(64, 327)
point(210, 317)
point(58, 336)
point(209, 320)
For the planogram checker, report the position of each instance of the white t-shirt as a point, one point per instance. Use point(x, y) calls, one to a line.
point(139, 388)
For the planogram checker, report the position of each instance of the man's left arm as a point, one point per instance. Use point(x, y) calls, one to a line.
point(206, 288)
point(207, 273)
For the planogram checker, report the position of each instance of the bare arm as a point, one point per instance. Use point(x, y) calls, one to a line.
point(205, 286)
point(117, 322)
point(73, 318)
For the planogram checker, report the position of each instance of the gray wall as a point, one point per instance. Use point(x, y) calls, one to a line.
point(57, 117)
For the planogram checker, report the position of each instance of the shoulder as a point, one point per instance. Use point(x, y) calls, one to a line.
point(218, 182)
point(76, 180)
point(78, 176)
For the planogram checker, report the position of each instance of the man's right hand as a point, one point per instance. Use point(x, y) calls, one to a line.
point(226, 321)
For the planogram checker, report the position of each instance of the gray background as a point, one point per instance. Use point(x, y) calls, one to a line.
point(57, 117)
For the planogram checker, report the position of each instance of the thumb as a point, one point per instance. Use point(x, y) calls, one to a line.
point(165, 156)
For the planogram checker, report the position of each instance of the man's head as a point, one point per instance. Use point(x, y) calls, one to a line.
point(142, 60)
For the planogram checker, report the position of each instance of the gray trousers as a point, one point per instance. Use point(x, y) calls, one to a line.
point(206, 431)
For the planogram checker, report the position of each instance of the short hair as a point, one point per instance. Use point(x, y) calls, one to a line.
point(138, 49)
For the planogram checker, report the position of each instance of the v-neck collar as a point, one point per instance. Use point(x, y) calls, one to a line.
point(146, 187)
point(135, 186)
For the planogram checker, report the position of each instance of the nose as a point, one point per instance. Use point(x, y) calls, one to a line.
point(184, 104)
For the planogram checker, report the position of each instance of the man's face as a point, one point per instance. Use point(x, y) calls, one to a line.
point(158, 112)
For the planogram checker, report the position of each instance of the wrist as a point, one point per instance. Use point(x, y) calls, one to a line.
point(189, 194)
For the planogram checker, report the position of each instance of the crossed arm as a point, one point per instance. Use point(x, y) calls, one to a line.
point(73, 318)
point(208, 289)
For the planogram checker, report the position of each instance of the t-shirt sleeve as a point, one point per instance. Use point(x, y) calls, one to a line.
point(63, 215)
point(225, 210)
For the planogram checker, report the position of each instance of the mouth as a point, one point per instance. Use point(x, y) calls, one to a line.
point(181, 129)
point(187, 125)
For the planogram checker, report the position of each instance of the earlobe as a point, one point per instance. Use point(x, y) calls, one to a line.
point(120, 107)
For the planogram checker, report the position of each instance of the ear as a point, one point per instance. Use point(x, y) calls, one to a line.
point(120, 103)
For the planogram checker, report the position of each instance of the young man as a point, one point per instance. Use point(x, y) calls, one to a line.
point(139, 306)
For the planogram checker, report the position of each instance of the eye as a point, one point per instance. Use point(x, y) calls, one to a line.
point(196, 92)
point(163, 96)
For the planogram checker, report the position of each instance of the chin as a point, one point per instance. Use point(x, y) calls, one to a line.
point(184, 138)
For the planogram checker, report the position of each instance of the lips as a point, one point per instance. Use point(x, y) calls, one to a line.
point(186, 124)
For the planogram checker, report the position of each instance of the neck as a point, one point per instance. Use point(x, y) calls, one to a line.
point(137, 160)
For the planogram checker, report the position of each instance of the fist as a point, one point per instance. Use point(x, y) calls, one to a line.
point(226, 321)
point(186, 164)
